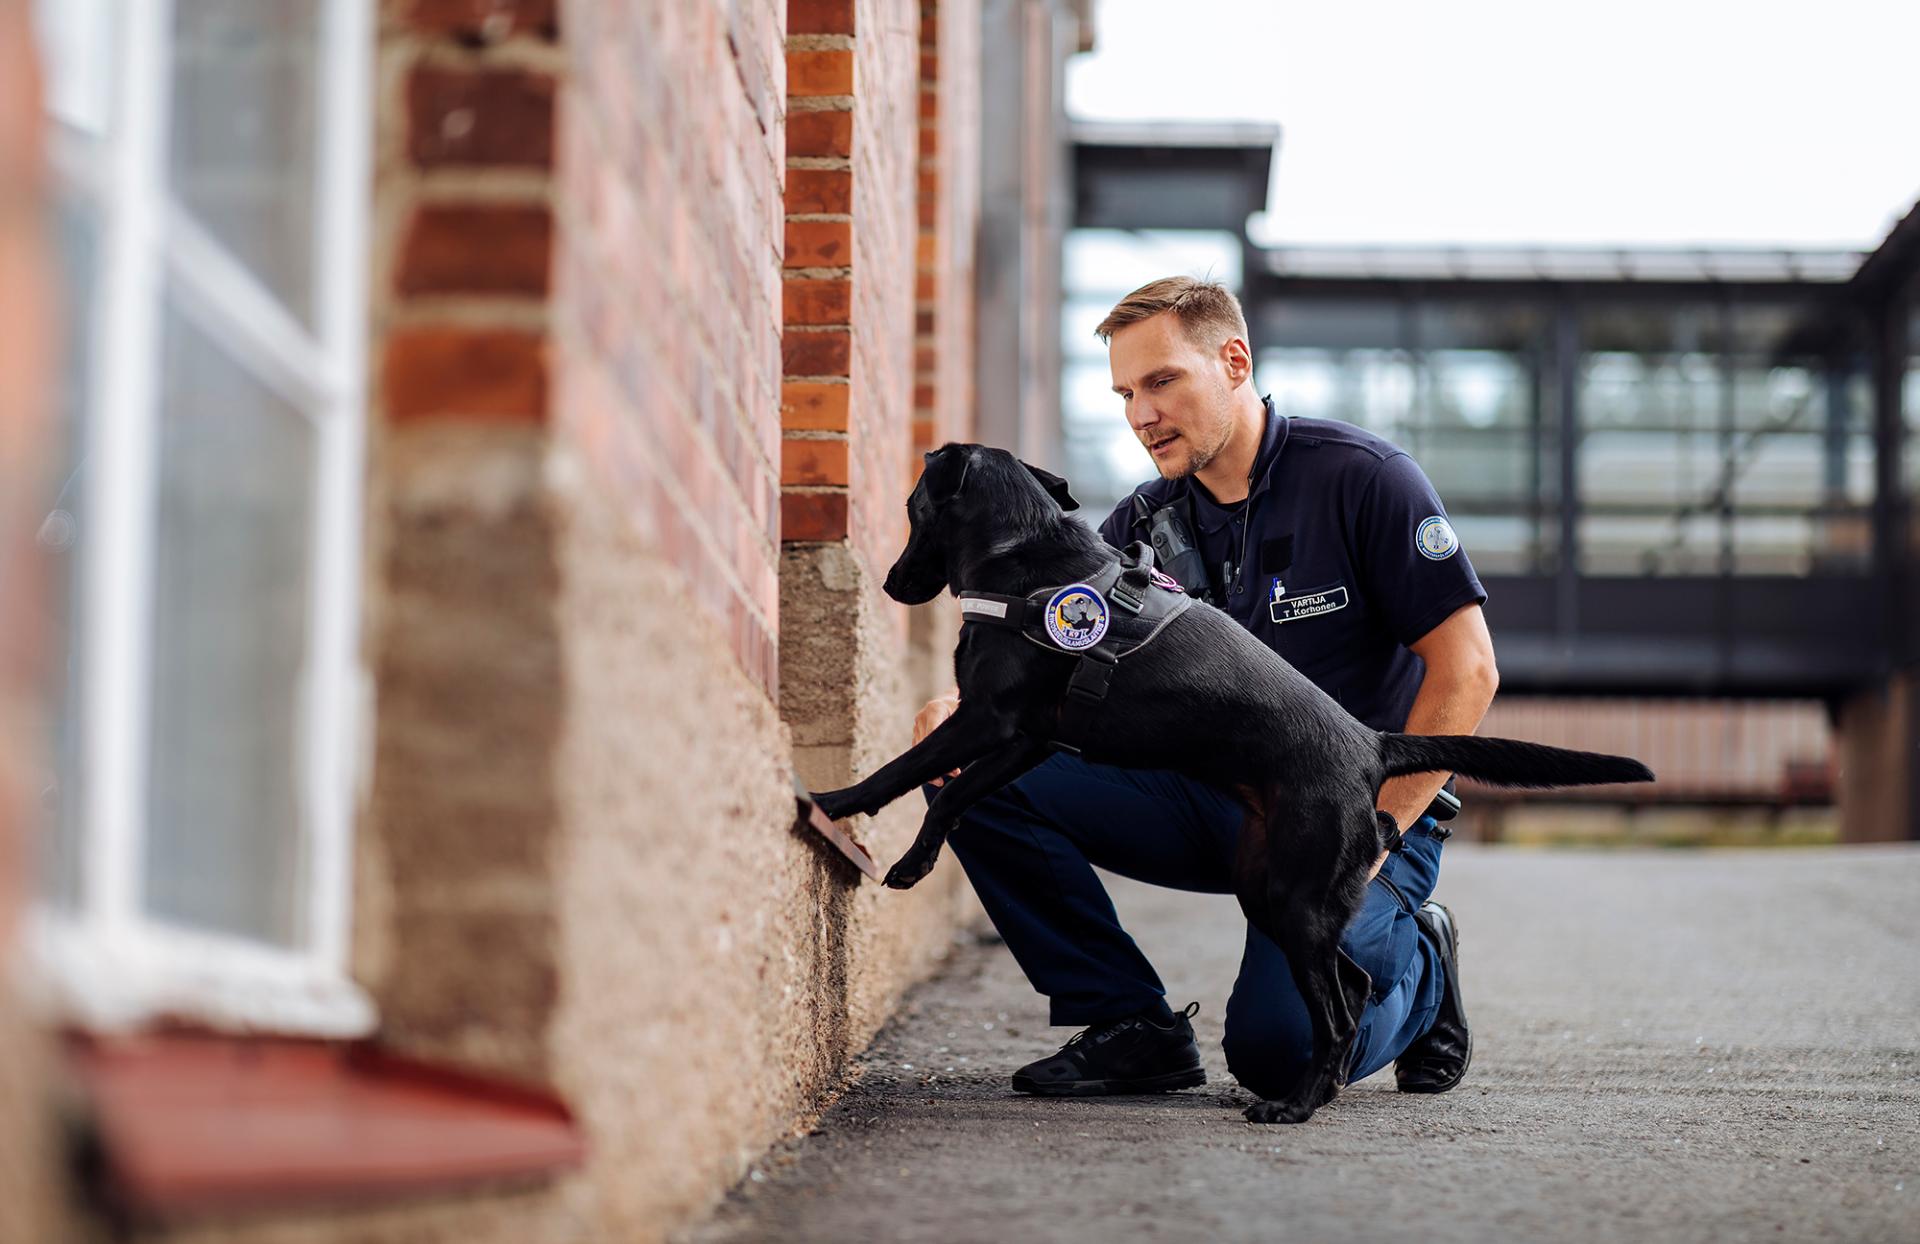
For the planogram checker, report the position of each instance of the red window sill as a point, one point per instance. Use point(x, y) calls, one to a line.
point(192, 1123)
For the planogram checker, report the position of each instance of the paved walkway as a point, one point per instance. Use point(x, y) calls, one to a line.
point(1670, 1046)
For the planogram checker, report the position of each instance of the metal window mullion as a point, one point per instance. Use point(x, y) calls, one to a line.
point(333, 674)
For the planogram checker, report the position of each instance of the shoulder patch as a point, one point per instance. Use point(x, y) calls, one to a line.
point(1435, 539)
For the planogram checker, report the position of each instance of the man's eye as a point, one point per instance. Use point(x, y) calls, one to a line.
point(1163, 382)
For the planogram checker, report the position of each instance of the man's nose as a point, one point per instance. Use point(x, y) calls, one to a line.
point(1142, 415)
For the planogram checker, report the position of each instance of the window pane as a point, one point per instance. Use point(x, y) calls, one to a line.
point(244, 98)
point(77, 233)
point(225, 833)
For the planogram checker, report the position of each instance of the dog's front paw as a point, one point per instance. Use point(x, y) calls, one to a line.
point(836, 803)
point(1278, 1112)
point(912, 867)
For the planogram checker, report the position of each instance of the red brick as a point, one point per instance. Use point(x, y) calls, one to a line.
point(818, 301)
point(487, 116)
point(828, 132)
point(819, 243)
point(465, 372)
point(814, 407)
point(476, 249)
point(929, 141)
point(813, 462)
point(813, 516)
point(804, 353)
point(819, 191)
point(819, 17)
point(483, 21)
point(819, 73)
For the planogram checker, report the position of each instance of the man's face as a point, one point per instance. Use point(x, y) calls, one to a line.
point(1178, 394)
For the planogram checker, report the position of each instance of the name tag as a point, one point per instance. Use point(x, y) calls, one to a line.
point(990, 608)
point(1308, 604)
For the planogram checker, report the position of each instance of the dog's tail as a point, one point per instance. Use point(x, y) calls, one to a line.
point(1505, 762)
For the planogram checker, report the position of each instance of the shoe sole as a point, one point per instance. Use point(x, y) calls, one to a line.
point(1453, 953)
point(1110, 1088)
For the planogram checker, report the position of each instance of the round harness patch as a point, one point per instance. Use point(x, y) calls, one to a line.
point(1435, 538)
point(1077, 617)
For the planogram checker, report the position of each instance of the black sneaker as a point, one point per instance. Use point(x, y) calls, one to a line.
point(1437, 1061)
point(1131, 1055)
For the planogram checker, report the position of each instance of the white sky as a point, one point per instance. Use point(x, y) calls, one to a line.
point(1526, 121)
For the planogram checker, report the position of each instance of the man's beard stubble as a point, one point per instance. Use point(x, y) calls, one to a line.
point(1200, 459)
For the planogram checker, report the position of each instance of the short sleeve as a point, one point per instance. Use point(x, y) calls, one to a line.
point(1413, 568)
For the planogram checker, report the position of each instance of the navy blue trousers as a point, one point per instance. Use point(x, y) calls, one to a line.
point(1030, 852)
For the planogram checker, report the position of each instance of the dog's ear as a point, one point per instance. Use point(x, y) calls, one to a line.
point(945, 472)
point(1055, 486)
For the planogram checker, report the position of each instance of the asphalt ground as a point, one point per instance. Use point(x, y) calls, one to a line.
point(1669, 1046)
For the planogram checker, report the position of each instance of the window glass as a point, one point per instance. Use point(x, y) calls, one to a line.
point(230, 642)
point(76, 231)
point(243, 149)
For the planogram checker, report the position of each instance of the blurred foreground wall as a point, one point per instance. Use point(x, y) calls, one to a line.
point(665, 300)
point(28, 1187)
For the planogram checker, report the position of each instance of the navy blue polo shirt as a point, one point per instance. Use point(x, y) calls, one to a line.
point(1342, 558)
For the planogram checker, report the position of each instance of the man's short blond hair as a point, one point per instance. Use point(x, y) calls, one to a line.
point(1208, 311)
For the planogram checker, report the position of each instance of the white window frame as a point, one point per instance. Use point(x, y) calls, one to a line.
point(107, 963)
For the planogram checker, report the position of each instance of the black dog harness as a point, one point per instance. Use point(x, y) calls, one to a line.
point(1100, 620)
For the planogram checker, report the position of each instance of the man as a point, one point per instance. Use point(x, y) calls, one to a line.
point(1330, 545)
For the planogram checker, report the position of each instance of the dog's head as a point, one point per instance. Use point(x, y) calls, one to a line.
point(969, 499)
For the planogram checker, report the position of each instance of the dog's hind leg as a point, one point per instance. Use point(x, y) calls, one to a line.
point(976, 782)
point(1315, 884)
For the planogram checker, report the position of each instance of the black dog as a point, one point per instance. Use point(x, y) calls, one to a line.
point(1203, 697)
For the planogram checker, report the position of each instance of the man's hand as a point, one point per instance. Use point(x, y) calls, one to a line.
point(937, 710)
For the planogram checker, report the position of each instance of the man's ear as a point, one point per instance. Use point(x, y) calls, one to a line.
point(1055, 486)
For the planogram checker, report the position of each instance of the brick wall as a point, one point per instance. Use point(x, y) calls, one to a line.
point(847, 357)
point(462, 642)
point(598, 347)
point(604, 346)
point(850, 238)
point(948, 210)
point(671, 270)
